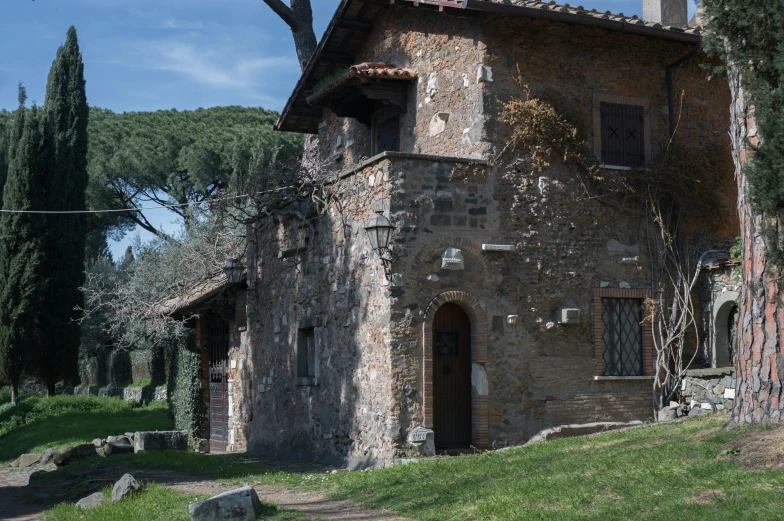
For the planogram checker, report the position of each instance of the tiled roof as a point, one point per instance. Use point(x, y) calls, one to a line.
point(554, 7)
point(367, 71)
point(384, 71)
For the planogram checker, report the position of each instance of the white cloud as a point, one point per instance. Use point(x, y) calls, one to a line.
point(212, 67)
point(173, 23)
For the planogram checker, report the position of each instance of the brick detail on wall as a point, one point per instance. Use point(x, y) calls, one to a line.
point(479, 339)
point(647, 332)
point(630, 400)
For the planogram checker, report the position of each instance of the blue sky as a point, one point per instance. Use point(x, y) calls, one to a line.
point(154, 54)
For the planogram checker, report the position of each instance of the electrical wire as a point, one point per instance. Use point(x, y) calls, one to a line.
point(163, 206)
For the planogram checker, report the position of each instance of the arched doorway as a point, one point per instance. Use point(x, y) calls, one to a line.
point(451, 377)
point(725, 318)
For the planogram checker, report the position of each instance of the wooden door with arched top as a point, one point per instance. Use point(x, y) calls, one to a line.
point(452, 377)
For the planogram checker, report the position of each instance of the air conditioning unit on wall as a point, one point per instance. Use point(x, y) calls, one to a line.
point(569, 316)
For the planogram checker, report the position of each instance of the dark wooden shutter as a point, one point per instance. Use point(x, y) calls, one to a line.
point(388, 135)
point(612, 130)
point(634, 148)
point(623, 140)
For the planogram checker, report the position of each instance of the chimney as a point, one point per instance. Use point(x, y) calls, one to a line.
point(666, 12)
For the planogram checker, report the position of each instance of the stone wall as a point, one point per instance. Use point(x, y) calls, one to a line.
point(131, 394)
point(719, 294)
point(709, 389)
point(335, 285)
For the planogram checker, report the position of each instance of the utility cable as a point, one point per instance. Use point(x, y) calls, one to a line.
point(163, 206)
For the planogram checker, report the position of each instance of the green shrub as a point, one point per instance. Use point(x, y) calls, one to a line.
point(186, 403)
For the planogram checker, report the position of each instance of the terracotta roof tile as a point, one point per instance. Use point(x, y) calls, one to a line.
point(580, 10)
point(364, 72)
point(380, 70)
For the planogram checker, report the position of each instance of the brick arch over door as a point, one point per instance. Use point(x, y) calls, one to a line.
point(479, 338)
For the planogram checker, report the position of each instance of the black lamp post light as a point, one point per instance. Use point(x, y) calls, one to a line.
point(233, 270)
point(379, 231)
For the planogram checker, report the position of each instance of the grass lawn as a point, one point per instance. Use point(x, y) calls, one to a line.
point(694, 470)
point(682, 471)
point(154, 503)
point(38, 423)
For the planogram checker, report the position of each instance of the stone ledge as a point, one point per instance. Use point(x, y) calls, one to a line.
point(137, 394)
point(620, 378)
point(404, 155)
point(715, 371)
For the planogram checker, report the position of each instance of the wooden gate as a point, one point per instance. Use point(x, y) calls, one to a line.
point(219, 383)
point(452, 378)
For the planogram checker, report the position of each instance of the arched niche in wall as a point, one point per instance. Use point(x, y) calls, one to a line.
point(724, 314)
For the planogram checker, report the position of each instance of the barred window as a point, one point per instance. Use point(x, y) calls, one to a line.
point(622, 337)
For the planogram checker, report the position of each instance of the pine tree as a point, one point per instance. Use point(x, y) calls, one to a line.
point(21, 247)
point(747, 35)
point(65, 183)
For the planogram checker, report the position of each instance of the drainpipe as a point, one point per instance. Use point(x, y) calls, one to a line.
point(670, 68)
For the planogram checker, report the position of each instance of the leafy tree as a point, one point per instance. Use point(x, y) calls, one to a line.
point(748, 36)
point(172, 157)
point(21, 248)
point(64, 186)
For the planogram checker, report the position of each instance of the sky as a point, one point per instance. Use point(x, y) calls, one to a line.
point(145, 55)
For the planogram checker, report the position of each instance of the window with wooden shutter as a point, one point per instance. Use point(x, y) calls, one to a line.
point(623, 139)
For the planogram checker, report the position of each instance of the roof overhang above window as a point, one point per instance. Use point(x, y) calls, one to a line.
point(353, 94)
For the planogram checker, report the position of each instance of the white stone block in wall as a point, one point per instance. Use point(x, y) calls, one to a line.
point(432, 84)
point(479, 379)
point(484, 74)
point(498, 247)
point(452, 259)
point(438, 123)
point(729, 394)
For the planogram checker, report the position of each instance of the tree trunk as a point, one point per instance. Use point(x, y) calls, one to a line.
point(14, 393)
point(299, 18)
point(759, 368)
point(50, 390)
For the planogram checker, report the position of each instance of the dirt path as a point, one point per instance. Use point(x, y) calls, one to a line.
point(23, 501)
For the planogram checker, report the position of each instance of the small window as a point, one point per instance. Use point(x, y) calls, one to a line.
point(622, 337)
point(623, 140)
point(306, 354)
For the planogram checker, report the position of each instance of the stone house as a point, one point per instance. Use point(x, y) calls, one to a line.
point(509, 300)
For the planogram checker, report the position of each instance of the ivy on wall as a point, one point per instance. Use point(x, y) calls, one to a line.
point(186, 403)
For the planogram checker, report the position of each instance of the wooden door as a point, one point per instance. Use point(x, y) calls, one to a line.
point(452, 378)
point(219, 383)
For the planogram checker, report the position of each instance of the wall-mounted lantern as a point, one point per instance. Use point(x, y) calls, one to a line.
point(233, 270)
point(379, 231)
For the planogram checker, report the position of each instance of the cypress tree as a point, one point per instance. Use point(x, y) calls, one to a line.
point(21, 251)
point(5, 136)
point(65, 183)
